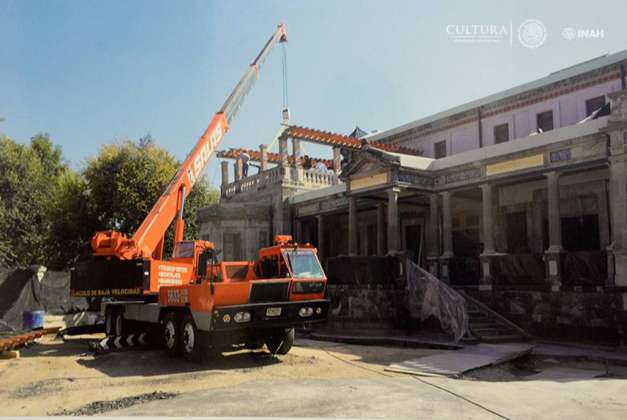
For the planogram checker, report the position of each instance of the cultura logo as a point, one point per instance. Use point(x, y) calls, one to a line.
point(532, 33)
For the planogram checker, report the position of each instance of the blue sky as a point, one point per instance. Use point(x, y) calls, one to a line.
point(92, 72)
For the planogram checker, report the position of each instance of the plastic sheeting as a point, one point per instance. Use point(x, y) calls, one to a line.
point(427, 296)
point(31, 290)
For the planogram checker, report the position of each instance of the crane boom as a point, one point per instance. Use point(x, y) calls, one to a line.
point(147, 241)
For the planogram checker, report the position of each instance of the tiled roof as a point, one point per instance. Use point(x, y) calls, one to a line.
point(255, 155)
point(339, 140)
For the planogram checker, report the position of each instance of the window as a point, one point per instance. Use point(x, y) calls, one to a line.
point(304, 264)
point(232, 243)
point(439, 149)
point(594, 104)
point(544, 121)
point(184, 249)
point(501, 133)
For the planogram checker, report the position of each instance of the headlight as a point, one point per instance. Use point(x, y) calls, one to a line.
point(308, 287)
point(226, 318)
point(242, 317)
point(318, 310)
point(305, 311)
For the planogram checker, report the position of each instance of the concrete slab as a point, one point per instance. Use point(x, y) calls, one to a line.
point(398, 398)
point(565, 374)
point(456, 363)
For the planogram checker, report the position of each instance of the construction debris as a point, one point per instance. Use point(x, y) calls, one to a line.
point(13, 341)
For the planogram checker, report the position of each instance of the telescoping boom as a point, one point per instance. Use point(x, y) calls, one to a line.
point(149, 238)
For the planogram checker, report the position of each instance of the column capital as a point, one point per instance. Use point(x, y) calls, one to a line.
point(552, 174)
point(446, 195)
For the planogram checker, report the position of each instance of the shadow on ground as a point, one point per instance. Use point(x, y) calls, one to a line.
point(151, 361)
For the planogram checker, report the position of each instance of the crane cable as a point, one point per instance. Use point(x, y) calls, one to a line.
point(285, 99)
point(285, 96)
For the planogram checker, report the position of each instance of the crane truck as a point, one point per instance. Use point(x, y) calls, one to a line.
point(193, 300)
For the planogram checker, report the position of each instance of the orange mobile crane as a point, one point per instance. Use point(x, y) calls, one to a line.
point(192, 299)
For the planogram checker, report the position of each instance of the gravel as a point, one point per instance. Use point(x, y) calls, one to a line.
point(98, 407)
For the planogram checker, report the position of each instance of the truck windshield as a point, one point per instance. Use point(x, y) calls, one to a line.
point(304, 264)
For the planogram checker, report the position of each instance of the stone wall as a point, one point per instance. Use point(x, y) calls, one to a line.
point(569, 315)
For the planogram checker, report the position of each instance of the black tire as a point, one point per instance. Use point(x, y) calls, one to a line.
point(281, 341)
point(119, 325)
point(171, 334)
point(109, 314)
point(190, 339)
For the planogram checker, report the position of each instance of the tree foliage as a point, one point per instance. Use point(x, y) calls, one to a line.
point(29, 181)
point(126, 179)
point(48, 213)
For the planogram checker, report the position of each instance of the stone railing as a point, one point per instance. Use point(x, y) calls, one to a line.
point(253, 182)
point(299, 177)
point(312, 177)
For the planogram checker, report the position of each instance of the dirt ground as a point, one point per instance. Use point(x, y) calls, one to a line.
point(53, 375)
point(321, 379)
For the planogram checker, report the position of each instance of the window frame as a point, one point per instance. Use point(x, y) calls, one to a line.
point(539, 114)
point(500, 126)
point(435, 149)
point(588, 101)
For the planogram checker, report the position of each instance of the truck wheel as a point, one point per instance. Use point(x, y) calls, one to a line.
point(171, 334)
point(190, 339)
point(118, 322)
point(281, 342)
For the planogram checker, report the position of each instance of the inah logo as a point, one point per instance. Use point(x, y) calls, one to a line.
point(532, 33)
point(570, 34)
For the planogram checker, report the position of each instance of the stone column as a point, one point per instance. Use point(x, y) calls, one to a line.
point(238, 169)
point(337, 160)
point(296, 152)
point(296, 158)
point(352, 225)
point(486, 257)
point(224, 167)
point(433, 236)
point(263, 151)
point(393, 221)
point(283, 151)
point(447, 238)
point(381, 229)
point(552, 255)
point(447, 226)
point(321, 250)
point(617, 253)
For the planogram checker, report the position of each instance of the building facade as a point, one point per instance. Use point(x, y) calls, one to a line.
point(519, 197)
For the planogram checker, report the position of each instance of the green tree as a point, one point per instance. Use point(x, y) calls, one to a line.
point(72, 221)
point(126, 179)
point(48, 213)
point(29, 180)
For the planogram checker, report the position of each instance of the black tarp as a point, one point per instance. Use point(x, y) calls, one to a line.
point(24, 290)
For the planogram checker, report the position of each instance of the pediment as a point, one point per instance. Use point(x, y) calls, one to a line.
point(367, 164)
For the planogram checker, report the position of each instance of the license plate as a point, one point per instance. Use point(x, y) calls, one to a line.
point(273, 311)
